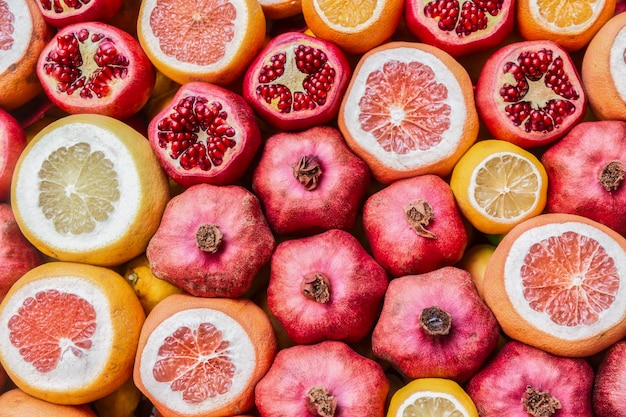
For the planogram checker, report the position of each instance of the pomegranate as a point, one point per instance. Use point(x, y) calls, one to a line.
point(530, 93)
point(414, 226)
point(297, 81)
point(212, 241)
point(327, 379)
point(585, 173)
point(310, 181)
point(435, 325)
point(325, 287)
point(523, 381)
point(205, 134)
point(59, 13)
point(93, 67)
point(460, 27)
point(17, 254)
point(12, 143)
point(609, 393)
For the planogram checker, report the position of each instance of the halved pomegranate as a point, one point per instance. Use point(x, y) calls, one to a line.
point(530, 93)
point(59, 13)
point(94, 67)
point(460, 27)
point(297, 81)
point(206, 134)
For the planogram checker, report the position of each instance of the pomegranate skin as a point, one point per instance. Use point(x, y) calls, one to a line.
point(120, 59)
point(435, 325)
point(212, 241)
point(586, 171)
point(358, 384)
point(305, 94)
point(499, 387)
point(17, 254)
point(609, 390)
point(399, 245)
point(325, 192)
point(325, 287)
point(187, 127)
point(12, 143)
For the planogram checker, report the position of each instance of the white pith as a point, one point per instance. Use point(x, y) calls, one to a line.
point(72, 372)
point(431, 394)
point(232, 49)
point(241, 351)
point(455, 100)
point(23, 25)
point(344, 29)
point(617, 65)
point(473, 183)
point(126, 208)
point(596, 5)
point(513, 284)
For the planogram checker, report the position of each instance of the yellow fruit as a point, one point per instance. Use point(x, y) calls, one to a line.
point(120, 403)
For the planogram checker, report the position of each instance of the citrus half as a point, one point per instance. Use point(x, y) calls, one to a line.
point(202, 357)
point(69, 332)
point(432, 397)
point(498, 184)
point(88, 188)
point(211, 41)
point(408, 110)
point(556, 282)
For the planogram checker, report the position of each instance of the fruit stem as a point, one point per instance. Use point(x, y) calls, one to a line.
point(320, 403)
point(539, 403)
point(208, 238)
point(419, 214)
point(612, 175)
point(435, 321)
point(316, 286)
point(307, 171)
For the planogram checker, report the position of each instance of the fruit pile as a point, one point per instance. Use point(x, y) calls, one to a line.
point(312, 208)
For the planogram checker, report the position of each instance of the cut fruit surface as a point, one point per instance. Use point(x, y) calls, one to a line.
point(63, 316)
point(498, 184)
point(89, 189)
point(556, 282)
point(408, 110)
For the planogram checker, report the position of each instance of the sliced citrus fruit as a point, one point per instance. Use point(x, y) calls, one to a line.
point(281, 9)
point(211, 41)
point(569, 23)
point(69, 332)
point(605, 60)
point(432, 397)
point(354, 25)
point(556, 282)
point(88, 188)
point(498, 184)
point(409, 110)
point(203, 356)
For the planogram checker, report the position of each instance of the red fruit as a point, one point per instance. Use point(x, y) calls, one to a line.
point(12, 143)
point(93, 67)
point(59, 13)
point(310, 181)
point(17, 254)
point(212, 241)
point(206, 134)
point(523, 381)
point(609, 391)
point(435, 325)
point(460, 27)
point(586, 171)
point(414, 226)
point(297, 81)
point(327, 379)
point(530, 93)
point(325, 287)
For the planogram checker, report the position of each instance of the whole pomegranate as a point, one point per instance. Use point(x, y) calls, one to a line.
point(310, 181)
point(609, 398)
point(212, 241)
point(12, 143)
point(94, 67)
